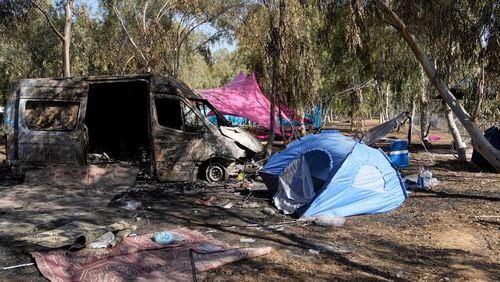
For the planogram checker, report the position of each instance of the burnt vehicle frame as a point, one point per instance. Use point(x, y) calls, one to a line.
point(155, 121)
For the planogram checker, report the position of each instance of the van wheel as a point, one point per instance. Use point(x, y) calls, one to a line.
point(216, 172)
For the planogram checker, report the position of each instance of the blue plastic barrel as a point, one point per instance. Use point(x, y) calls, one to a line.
point(399, 153)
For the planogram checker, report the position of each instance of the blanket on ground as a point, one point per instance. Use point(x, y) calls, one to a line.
point(141, 259)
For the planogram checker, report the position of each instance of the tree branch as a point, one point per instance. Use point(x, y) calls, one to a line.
point(49, 21)
point(128, 34)
point(144, 16)
point(194, 25)
point(210, 38)
point(127, 62)
point(163, 8)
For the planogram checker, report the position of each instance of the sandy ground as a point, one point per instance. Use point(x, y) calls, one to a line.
point(450, 232)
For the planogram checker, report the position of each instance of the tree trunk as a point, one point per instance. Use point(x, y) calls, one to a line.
point(459, 145)
point(490, 153)
point(274, 52)
point(386, 103)
point(412, 112)
point(357, 110)
point(67, 39)
point(424, 110)
point(302, 126)
point(480, 97)
point(177, 61)
point(378, 89)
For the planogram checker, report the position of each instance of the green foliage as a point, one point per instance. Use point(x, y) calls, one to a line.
point(325, 46)
point(100, 45)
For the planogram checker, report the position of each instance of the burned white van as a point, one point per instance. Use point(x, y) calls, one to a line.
point(156, 122)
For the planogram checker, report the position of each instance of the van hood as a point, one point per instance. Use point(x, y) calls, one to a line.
point(242, 137)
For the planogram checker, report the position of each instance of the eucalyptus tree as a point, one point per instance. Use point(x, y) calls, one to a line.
point(13, 10)
point(479, 142)
point(295, 65)
point(276, 17)
point(459, 36)
point(26, 50)
point(65, 35)
point(158, 30)
point(347, 39)
point(18, 12)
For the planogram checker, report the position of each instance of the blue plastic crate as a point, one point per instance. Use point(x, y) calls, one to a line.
point(399, 153)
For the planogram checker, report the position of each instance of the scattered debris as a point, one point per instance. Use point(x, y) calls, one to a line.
point(167, 238)
point(78, 235)
point(425, 179)
point(17, 266)
point(401, 271)
point(276, 227)
point(269, 211)
point(241, 176)
point(121, 235)
point(434, 137)
point(411, 181)
point(206, 201)
point(95, 158)
point(329, 220)
point(132, 205)
point(312, 251)
point(328, 248)
point(250, 205)
point(61, 236)
point(97, 235)
point(489, 219)
point(228, 205)
point(488, 216)
point(102, 242)
point(421, 181)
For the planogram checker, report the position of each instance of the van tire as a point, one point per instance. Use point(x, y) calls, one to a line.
point(216, 172)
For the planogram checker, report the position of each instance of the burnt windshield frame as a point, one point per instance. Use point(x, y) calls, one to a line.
point(221, 120)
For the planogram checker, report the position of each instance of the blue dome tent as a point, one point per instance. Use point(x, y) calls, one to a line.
point(331, 174)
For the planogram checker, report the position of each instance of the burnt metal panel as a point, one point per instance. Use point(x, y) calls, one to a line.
point(38, 147)
point(177, 154)
point(9, 126)
point(168, 85)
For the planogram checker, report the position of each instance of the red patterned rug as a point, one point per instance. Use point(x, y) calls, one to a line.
point(141, 259)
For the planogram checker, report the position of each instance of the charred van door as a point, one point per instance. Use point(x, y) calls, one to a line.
point(50, 122)
point(177, 131)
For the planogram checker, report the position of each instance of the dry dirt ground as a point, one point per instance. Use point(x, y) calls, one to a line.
point(447, 233)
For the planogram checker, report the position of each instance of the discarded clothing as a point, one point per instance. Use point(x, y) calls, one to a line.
point(75, 234)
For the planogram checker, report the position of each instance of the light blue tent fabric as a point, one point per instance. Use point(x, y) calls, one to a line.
point(315, 116)
point(318, 114)
point(343, 177)
point(235, 120)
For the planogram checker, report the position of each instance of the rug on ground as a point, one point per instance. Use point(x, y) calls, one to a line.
point(140, 258)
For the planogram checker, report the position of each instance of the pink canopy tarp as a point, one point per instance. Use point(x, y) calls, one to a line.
point(242, 97)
